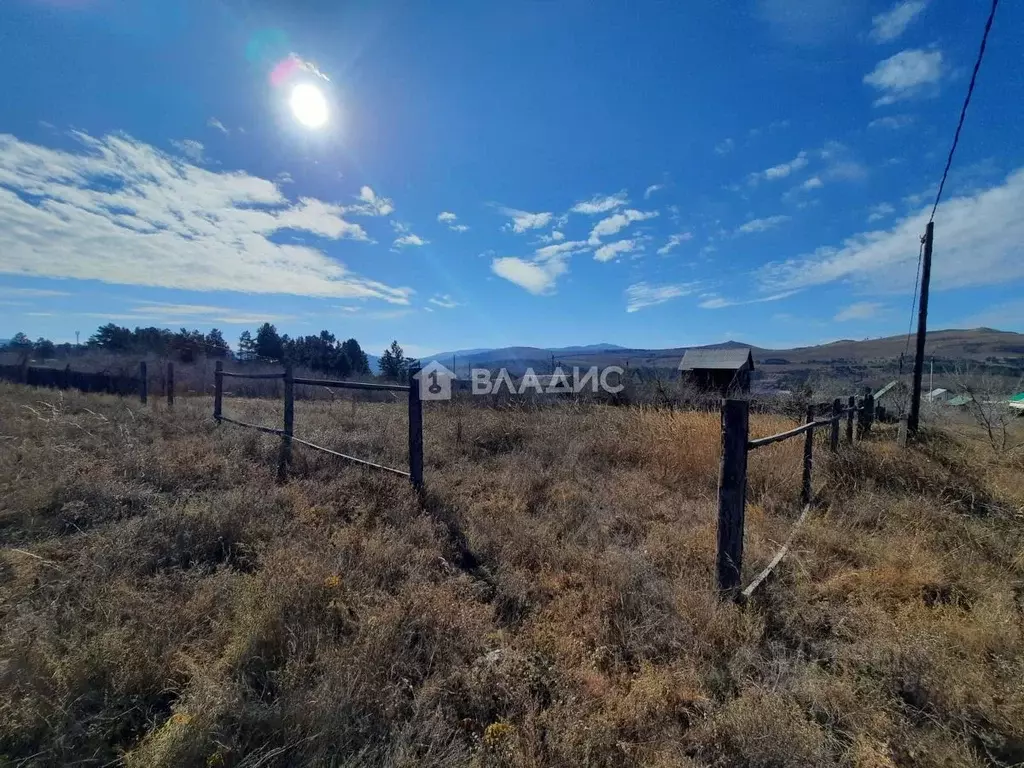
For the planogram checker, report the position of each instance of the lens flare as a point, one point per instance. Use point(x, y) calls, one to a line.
point(308, 104)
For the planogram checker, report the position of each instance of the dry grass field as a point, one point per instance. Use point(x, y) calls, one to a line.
point(163, 602)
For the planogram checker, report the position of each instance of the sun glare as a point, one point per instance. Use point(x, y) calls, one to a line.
point(309, 105)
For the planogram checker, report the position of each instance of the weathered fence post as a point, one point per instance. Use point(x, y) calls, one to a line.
point(67, 376)
point(143, 383)
point(732, 494)
point(415, 429)
point(869, 410)
point(901, 437)
point(289, 424)
point(805, 487)
point(170, 383)
point(837, 415)
point(218, 390)
point(852, 405)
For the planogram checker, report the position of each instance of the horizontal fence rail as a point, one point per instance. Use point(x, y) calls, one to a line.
point(353, 385)
point(732, 478)
point(287, 433)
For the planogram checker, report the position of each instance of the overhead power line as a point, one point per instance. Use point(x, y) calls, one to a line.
point(967, 101)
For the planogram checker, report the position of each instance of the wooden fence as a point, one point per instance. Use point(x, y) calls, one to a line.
point(88, 381)
point(415, 473)
point(732, 478)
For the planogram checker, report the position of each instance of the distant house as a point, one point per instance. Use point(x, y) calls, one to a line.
point(1017, 401)
point(961, 400)
point(718, 370)
point(938, 395)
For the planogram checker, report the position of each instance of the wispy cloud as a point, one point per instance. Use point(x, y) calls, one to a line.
point(981, 233)
point(284, 178)
point(213, 122)
point(40, 293)
point(714, 301)
point(601, 204)
point(610, 251)
point(642, 295)
point(652, 189)
point(906, 75)
point(861, 310)
point(522, 221)
point(892, 122)
point(887, 26)
point(879, 212)
point(372, 204)
point(616, 222)
point(450, 220)
point(812, 183)
point(409, 239)
point(674, 241)
point(724, 147)
point(190, 149)
point(444, 301)
point(780, 171)
point(762, 225)
point(159, 221)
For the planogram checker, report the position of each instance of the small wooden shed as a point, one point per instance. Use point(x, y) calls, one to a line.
point(719, 370)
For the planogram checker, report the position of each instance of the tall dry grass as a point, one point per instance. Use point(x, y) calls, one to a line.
point(549, 602)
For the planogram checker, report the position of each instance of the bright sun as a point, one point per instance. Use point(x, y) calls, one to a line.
point(308, 105)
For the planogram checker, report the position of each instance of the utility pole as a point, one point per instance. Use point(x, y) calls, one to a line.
point(922, 330)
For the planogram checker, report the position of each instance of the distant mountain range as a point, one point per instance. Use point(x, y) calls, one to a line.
point(868, 358)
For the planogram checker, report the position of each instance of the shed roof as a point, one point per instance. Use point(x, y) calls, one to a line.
point(961, 400)
point(717, 359)
point(894, 386)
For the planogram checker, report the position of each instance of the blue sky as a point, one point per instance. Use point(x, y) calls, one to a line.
point(545, 173)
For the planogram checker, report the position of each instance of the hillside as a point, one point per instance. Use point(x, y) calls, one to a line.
point(868, 360)
point(548, 602)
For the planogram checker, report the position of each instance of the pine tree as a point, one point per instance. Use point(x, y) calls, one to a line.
point(393, 363)
point(246, 346)
point(268, 343)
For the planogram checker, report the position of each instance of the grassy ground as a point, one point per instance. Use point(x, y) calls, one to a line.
point(164, 602)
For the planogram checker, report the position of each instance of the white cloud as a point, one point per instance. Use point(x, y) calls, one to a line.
point(892, 122)
point(616, 222)
point(372, 204)
point(284, 178)
point(891, 24)
point(444, 301)
point(159, 221)
point(539, 274)
point(978, 240)
point(409, 239)
point(812, 183)
point(674, 241)
point(554, 237)
point(905, 75)
point(213, 122)
point(524, 220)
point(780, 171)
point(714, 301)
point(611, 250)
point(652, 189)
point(641, 295)
point(535, 278)
point(190, 149)
point(879, 212)
point(601, 204)
point(40, 293)
point(449, 219)
point(725, 147)
point(762, 225)
point(861, 310)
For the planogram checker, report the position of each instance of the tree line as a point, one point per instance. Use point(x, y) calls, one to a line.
point(323, 352)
